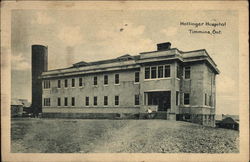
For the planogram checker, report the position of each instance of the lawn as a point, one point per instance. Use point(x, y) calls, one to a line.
point(118, 136)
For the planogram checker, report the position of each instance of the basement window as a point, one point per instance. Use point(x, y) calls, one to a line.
point(186, 99)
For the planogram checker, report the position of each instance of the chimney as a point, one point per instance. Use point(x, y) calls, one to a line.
point(163, 46)
point(39, 64)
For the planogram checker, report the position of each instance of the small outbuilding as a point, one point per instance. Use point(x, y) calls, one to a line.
point(16, 108)
point(228, 122)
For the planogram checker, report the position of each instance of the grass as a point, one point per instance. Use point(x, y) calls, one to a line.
point(131, 136)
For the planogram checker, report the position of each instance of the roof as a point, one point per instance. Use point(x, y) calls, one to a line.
point(127, 61)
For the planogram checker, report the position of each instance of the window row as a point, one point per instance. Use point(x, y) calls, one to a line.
point(95, 81)
point(87, 101)
point(161, 71)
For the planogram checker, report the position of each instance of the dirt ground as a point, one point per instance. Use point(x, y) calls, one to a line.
point(118, 136)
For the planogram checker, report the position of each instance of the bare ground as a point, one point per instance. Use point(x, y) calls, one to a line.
point(117, 136)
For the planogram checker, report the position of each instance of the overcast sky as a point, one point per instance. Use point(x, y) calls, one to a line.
point(91, 35)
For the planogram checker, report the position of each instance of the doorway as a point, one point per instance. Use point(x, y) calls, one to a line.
point(160, 98)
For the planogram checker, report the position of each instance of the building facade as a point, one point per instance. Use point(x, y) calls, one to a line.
point(177, 85)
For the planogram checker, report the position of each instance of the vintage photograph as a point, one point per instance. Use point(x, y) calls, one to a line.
point(122, 80)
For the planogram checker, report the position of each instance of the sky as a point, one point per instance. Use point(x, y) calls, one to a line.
point(90, 35)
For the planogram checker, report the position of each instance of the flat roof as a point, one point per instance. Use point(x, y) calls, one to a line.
point(128, 60)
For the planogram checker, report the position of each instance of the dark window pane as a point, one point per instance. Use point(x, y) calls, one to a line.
point(160, 71)
point(73, 101)
point(105, 79)
point(116, 100)
point(147, 72)
point(95, 80)
point(105, 100)
point(58, 101)
point(153, 72)
point(137, 76)
point(95, 100)
point(177, 98)
point(87, 101)
point(73, 82)
point(80, 82)
point(65, 101)
point(186, 99)
point(167, 70)
point(137, 100)
point(187, 72)
point(65, 83)
point(117, 79)
point(59, 84)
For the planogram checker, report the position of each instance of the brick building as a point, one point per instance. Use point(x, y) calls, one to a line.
point(178, 85)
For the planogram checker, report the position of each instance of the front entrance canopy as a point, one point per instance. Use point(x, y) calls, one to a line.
point(160, 98)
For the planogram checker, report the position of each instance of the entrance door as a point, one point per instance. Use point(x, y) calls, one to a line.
point(162, 99)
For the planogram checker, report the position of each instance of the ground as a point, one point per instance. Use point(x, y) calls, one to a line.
point(117, 136)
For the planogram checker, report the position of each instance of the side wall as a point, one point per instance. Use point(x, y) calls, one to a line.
point(126, 90)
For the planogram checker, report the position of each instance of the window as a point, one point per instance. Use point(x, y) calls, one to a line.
point(105, 100)
point(178, 72)
point(205, 99)
point(213, 79)
point(117, 79)
point(186, 99)
point(177, 98)
point(73, 101)
point(80, 82)
point(65, 83)
point(187, 72)
point(167, 71)
point(116, 100)
point(137, 77)
point(137, 99)
point(95, 100)
point(46, 101)
point(160, 71)
point(210, 100)
point(65, 101)
point(95, 80)
point(153, 72)
point(147, 72)
point(73, 83)
point(59, 84)
point(46, 84)
point(58, 101)
point(106, 80)
point(87, 101)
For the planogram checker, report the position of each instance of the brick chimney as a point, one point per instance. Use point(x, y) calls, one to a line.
point(163, 46)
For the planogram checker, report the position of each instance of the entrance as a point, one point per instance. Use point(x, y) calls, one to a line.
point(162, 99)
